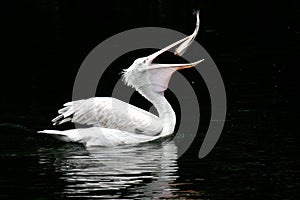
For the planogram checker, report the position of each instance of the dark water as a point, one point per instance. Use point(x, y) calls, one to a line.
point(251, 161)
point(255, 45)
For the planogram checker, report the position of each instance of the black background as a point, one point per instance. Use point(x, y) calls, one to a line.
point(255, 45)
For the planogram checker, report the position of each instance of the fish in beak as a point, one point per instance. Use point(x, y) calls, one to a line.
point(159, 75)
point(143, 71)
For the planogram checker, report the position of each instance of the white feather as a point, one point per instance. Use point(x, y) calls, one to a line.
point(96, 136)
point(116, 122)
point(110, 113)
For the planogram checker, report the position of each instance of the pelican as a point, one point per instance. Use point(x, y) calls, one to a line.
point(115, 122)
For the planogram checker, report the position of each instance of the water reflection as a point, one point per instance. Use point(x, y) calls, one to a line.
point(146, 170)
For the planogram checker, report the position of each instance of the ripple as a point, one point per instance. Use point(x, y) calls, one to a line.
point(113, 172)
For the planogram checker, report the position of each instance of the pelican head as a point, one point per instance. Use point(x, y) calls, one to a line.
point(143, 72)
point(134, 76)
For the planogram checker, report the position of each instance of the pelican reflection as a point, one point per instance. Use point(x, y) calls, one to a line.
point(146, 170)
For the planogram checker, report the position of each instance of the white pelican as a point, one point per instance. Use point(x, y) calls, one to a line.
point(116, 122)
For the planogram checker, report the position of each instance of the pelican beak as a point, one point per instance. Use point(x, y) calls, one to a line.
point(159, 75)
point(184, 46)
point(176, 66)
point(154, 55)
point(185, 43)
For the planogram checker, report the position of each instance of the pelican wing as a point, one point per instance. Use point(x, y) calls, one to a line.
point(110, 113)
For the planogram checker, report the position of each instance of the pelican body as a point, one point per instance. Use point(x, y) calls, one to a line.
point(116, 122)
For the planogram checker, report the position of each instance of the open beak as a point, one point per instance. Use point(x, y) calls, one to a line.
point(154, 55)
point(176, 66)
point(159, 75)
point(185, 43)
